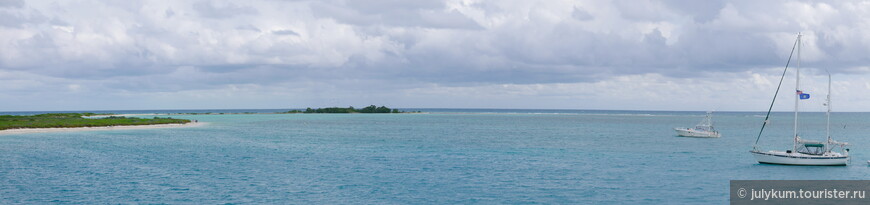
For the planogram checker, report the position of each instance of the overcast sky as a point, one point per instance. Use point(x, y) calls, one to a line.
point(624, 55)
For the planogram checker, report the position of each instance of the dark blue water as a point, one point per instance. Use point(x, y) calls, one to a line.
point(446, 157)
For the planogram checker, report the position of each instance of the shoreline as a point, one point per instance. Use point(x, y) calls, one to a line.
point(264, 113)
point(120, 127)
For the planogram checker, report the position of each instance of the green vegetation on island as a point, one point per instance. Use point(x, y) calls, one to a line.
point(216, 113)
point(69, 120)
point(369, 109)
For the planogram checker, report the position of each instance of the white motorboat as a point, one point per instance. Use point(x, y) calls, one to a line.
point(704, 129)
point(804, 152)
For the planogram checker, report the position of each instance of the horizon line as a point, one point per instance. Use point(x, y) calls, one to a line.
point(573, 109)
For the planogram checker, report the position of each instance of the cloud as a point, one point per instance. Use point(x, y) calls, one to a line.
point(581, 14)
point(12, 3)
point(248, 27)
point(285, 32)
point(209, 9)
point(700, 11)
point(428, 14)
point(468, 46)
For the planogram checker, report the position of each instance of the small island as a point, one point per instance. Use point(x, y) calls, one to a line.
point(78, 120)
point(368, 109)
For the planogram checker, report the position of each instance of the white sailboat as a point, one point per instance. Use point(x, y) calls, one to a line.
point(704, 129)
point(804, 152)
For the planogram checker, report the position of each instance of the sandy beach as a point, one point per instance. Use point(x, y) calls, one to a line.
point(125, 127)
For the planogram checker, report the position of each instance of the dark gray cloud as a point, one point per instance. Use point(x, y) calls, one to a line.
point(415, 13)
point(12, 3)
point(700, 11)
point(581, 14)
point(642, 10)
point(248, 27)
point(10, 20)
point(210, 9)
point(13, 19)
point(285, 32)
point(169, 13)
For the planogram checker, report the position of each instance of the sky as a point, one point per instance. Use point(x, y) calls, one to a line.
point(549, 54)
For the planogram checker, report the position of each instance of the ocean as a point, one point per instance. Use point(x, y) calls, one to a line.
point(441, 156)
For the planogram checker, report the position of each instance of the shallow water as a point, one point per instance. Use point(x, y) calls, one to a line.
point(446, 156)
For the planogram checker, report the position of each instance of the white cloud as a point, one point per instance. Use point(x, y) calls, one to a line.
point(469, 50)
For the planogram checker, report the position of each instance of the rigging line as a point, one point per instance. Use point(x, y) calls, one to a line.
point(755, 146)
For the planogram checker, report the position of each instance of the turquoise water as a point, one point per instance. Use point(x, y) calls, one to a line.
point(443, 157)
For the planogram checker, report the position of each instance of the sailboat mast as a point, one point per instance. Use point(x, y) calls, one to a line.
point(828, 114)
point(773, 101)
point(797, 88)
point(710, 119)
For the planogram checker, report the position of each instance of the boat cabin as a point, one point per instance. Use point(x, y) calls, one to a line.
point(811, 148)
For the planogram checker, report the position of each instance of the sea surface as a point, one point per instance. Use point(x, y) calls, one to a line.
point(440, 156)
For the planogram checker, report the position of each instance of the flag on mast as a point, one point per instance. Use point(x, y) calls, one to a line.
point(802, 95)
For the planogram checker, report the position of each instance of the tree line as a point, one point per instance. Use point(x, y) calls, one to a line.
point(351, 109)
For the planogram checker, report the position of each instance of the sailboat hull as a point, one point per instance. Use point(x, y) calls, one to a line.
point(783, 158)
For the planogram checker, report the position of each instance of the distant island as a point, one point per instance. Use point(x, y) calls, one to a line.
point(75, 120)
point(351, 109)
point(369, 109)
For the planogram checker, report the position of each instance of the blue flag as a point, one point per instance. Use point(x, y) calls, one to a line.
point(805, 96)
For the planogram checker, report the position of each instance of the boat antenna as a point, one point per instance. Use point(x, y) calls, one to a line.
point(755, 146)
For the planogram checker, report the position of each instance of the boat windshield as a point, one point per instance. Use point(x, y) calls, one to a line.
point(812, 148)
